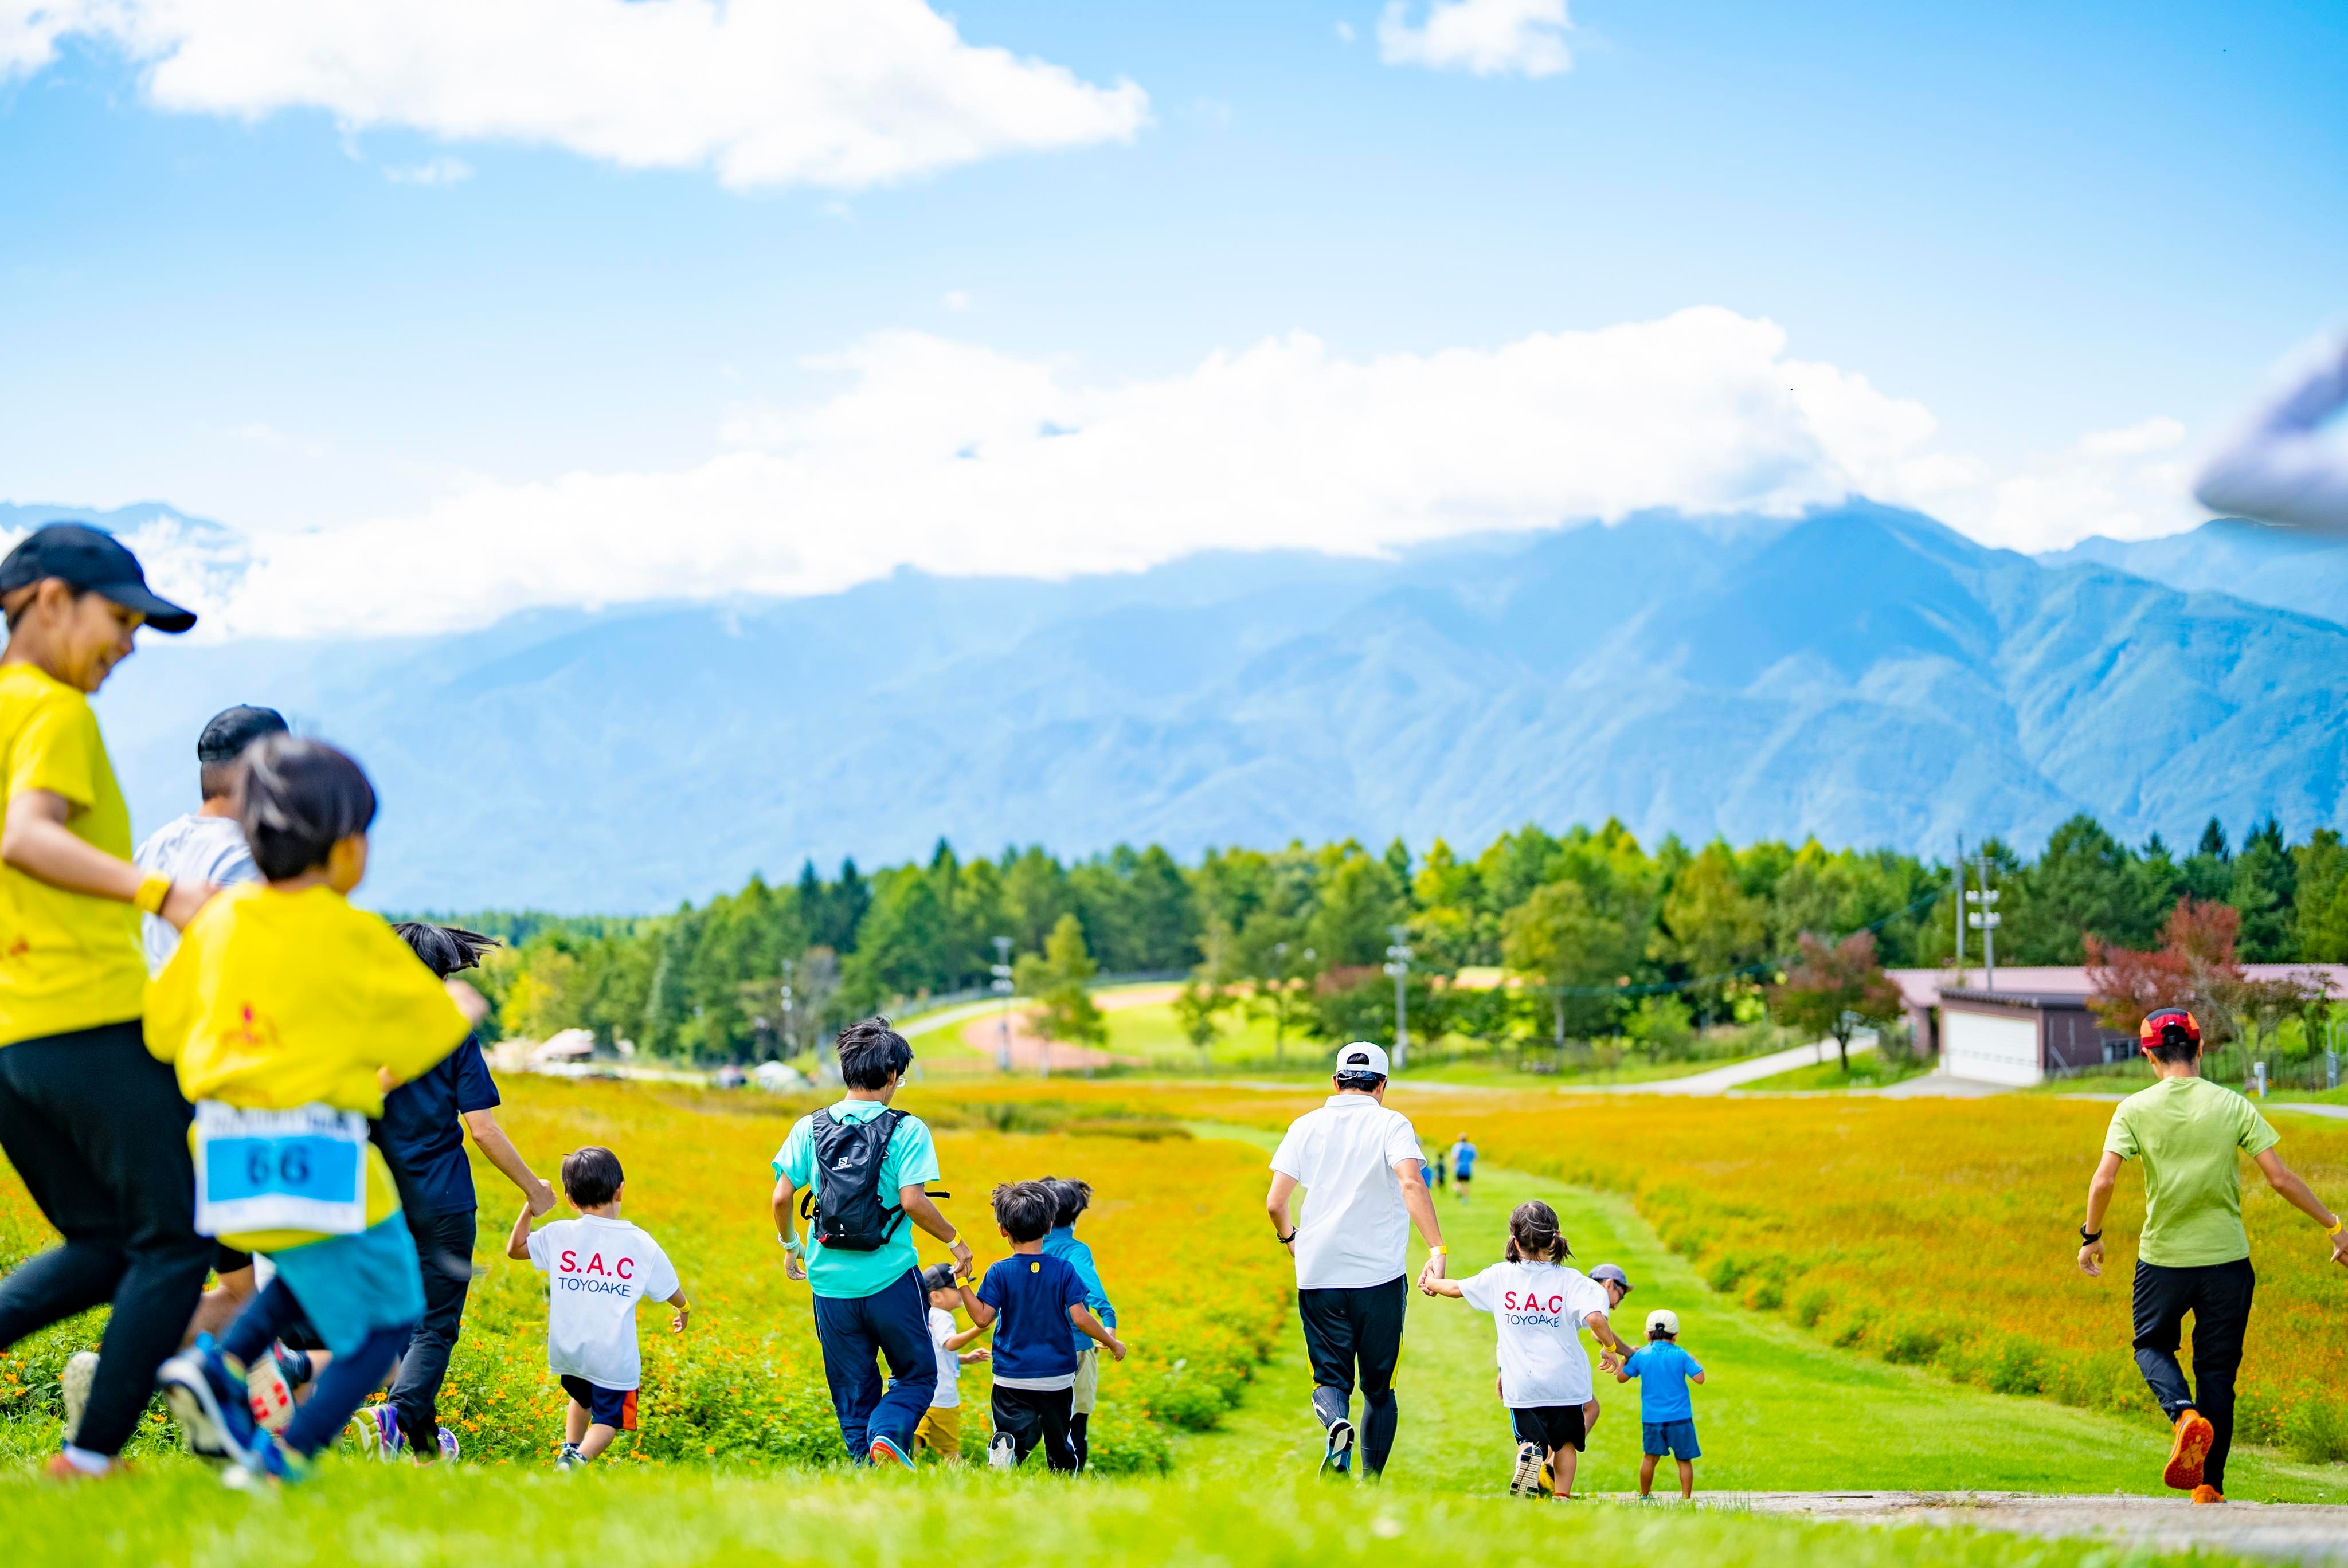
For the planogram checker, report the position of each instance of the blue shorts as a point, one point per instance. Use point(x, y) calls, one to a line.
point(613, 1408)
point(1675, 1438)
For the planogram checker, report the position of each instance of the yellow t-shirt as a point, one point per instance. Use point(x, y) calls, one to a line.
point(274, 1000)
point(68, 961)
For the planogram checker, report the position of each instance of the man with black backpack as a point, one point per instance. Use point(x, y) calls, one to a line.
point(865, 1166)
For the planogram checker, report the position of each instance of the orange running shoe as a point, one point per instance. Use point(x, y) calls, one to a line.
point(2194, 1436)
point(2208, 1494)
point(60, 1468)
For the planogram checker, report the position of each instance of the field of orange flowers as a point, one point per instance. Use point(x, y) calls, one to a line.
point(1935, 1232)
point(744, 1385)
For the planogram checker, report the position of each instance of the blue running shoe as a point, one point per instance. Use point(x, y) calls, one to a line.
point(207, 1395)
point(884, 1452)
point(1339, 1459)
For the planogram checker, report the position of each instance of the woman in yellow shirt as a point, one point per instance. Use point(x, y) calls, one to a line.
point(93, 1124)
point(286, 1013)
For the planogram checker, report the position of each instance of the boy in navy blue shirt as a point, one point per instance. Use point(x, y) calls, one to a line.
point(1032, 1300)
point(1666, 1413)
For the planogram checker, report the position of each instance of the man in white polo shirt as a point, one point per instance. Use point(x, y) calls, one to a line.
point(1362, 1172)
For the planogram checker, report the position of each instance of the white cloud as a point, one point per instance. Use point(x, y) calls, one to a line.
point(2158, 434)
point(955, 458)
point(840, 93)
point(957, 300)
point(1344, 32)
point(432, 171)
point(1486, 37)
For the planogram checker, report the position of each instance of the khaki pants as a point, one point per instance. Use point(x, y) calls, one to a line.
point(1087, 1390)
point(941, 1433)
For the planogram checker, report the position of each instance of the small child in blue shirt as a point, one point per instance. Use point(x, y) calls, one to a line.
point(1075, 1198)
point(1666, 1413)
point(1032, 1301)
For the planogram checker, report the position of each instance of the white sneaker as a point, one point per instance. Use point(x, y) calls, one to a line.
point(569, 1459)
point(1526, 1481)
point(73, 1383)
point(1002, 1453)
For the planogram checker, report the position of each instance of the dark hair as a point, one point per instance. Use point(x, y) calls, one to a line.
point(592, 1176)
point(301, 799)
point(1534, 1235)
point(938, 1277)
point(19, 599)
point(1069, 1196)
point(445, 949)
point(870, 1050)
point(1361, 1082)
point(1659, 1332)
point(1026, 1210)
point(226, 737)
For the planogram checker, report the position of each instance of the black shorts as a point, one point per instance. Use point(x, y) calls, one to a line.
point(227, 1260)
point(1552, 1426)
point(614, 1408)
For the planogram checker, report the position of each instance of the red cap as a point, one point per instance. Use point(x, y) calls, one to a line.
point(2156, 1024)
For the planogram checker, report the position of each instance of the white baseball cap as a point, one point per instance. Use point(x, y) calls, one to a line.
point(1363, 1057)
point(1664, 1318)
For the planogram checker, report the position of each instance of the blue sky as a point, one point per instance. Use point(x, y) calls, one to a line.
point(2013, 228)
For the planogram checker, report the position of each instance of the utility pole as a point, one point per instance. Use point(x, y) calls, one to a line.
point(1001, 969)
point(789, 1045)
point(1960, 908)
point(1984, 920)
point(1398, 966)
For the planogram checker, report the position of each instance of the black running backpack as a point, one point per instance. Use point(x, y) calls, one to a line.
point(851, 1212)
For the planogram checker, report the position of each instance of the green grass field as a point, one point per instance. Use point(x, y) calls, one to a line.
point(1780, 1410)
point(1867, 1071)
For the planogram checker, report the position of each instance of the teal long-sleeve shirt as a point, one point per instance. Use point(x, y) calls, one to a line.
point(1062, 1244)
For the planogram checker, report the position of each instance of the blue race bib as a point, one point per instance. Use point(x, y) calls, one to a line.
point(300, 1169)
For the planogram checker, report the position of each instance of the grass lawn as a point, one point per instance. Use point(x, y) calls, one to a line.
point(1867, 1070)
point(1244, 1045)
point(1778, 1410)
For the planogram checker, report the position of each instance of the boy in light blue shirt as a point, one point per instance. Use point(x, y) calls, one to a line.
point(1072, 1198)
point(1667, 1412)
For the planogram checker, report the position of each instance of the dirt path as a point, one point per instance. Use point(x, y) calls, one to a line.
point(2287, 1532)
point(1030, 1051)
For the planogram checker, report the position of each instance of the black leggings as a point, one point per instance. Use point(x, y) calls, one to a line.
point(2218, 1296)
point(1349, 1329)
point(96, 1129)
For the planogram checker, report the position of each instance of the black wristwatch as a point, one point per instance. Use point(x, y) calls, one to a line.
point(1283, 1240)
point(2089, 1238)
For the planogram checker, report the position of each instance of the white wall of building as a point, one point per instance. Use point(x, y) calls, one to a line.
point(1989, 1048)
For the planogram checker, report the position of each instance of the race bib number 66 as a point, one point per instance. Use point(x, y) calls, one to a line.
point(299, 1169)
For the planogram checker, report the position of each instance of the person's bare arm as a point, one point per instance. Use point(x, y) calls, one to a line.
point(2296, 1193)
point(1695, 1377)
point(35, 841)
point(787, 1230)
point(962, 1336)
point(1090, 1327)
point(924, 1213)
point(981, 1314)
point(684, 1311)
point(518, 1239)
point(1275, 1204)
point(1439, 1286)
point(2100, 1199)
point(1603, 1331)
point(492, 1142)
point(1412, 1174)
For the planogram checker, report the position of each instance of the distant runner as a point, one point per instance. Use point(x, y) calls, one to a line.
point(2194, 1255)
point(1359, 1165)
point(1463, 1165)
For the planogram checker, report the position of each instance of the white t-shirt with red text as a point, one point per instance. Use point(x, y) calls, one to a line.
point(597, 1271)
point(1539, 1309)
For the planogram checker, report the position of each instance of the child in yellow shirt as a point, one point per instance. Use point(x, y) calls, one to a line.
point(286, 1013)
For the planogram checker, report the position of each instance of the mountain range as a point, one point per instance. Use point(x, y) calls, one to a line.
point(1859, 673)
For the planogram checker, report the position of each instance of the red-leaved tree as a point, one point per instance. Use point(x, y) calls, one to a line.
point(1832, 989)
point(2194, 968)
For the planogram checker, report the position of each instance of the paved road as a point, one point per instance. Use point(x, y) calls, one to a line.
point(2287, 1532)
point(1721, 1080)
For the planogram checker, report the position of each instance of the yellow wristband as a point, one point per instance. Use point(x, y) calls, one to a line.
point(1439, 1252)
point(152, 891)
point(2338, 1224)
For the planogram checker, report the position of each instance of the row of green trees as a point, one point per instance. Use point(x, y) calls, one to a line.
point(1606, 935)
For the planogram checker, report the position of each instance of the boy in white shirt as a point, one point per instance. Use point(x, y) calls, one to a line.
point(1540, 1306)
point(599, 1268)
point(940, 1428)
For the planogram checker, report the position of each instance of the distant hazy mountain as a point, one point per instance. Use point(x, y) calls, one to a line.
point(1860, 673)
point(2282, 567)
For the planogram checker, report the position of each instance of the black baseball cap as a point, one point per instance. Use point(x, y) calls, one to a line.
point(93, 560)
point(234, 729)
